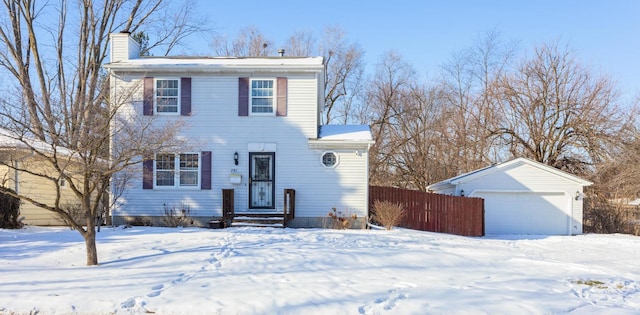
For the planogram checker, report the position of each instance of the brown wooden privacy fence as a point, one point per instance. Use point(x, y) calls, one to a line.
point(434, 212)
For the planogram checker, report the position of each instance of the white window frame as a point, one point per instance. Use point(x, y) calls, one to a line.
point(178, 171)
point(274, 97)
point(336, 156)
point(155, 96)
point(195, 170)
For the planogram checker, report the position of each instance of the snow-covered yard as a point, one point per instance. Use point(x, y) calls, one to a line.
point(315, 271)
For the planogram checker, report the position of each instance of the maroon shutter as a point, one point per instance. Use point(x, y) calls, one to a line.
point(243, 97)
point(147, 98)
point(281, 105)
point(205, 178)
point(147, 174)
point(185, 97)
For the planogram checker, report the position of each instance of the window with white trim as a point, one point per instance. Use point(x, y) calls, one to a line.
point(189, 169)
point(262, 96)
point(167, 95)
point(329, 159)
point(177, 170)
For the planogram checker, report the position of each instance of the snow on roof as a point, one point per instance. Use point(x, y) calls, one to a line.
point(345, 132)
point(213, 63)
point(480, 172)
point(11, 140)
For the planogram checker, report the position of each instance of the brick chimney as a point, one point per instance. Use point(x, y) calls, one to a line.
point(123, 47)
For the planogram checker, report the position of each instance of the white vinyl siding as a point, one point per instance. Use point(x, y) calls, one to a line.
point(215, 126)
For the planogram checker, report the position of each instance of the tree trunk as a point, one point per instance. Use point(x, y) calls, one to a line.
point(92, 250)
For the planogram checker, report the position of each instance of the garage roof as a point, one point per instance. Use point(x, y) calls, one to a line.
point(496, 167)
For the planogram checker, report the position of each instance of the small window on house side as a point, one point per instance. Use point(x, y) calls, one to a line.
point(167, 95)
point(262, 99)
point(329, 159)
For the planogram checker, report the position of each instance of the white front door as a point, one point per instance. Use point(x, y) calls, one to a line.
point(261, 180)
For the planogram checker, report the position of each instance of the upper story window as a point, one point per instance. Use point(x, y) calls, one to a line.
point(167, 94)
point(177, 170)
point(262, 96)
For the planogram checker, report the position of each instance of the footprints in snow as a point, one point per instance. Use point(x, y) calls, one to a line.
point(389, 301)
point(214, 262)
point(156, 290)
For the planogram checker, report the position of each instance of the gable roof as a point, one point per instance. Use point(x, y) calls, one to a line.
point(460, 179)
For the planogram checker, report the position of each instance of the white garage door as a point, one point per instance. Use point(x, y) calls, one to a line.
point(526, 213)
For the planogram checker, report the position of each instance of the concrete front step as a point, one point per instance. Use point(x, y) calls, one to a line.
point(258, 219)
point(248, 224)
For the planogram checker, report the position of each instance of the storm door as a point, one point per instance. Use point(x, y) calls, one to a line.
point(261, 180)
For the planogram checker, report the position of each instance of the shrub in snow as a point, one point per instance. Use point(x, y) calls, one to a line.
point(339, 220)
point(75, 211)
point(602, 215)
point(177, 216)
point(138, 221)
point(387, 213)
point(9, 211)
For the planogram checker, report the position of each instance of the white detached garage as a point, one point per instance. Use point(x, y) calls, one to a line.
point(522, 196)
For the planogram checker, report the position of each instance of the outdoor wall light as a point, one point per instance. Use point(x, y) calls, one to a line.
point(577, 195)
point(235, 157)
point(462, 192)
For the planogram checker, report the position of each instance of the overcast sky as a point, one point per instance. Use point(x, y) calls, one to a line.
point(604, 33)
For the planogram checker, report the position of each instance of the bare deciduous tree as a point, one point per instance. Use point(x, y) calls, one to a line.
point(385, 97)
point(344, 76)
point(611, 203)
point(250, 42)
point(467, 80)
point(555, 111)
point(64, 99)
point(300, 44)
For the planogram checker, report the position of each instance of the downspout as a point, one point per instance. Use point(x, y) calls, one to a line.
point(16, 172)
point(366, 195)
point(110, 198)
point(572, 204)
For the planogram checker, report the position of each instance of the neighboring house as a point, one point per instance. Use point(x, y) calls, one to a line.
point(523, 197)
point(17, 155)
point(255, 126)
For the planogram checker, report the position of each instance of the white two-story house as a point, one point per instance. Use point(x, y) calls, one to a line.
point(257, 147)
